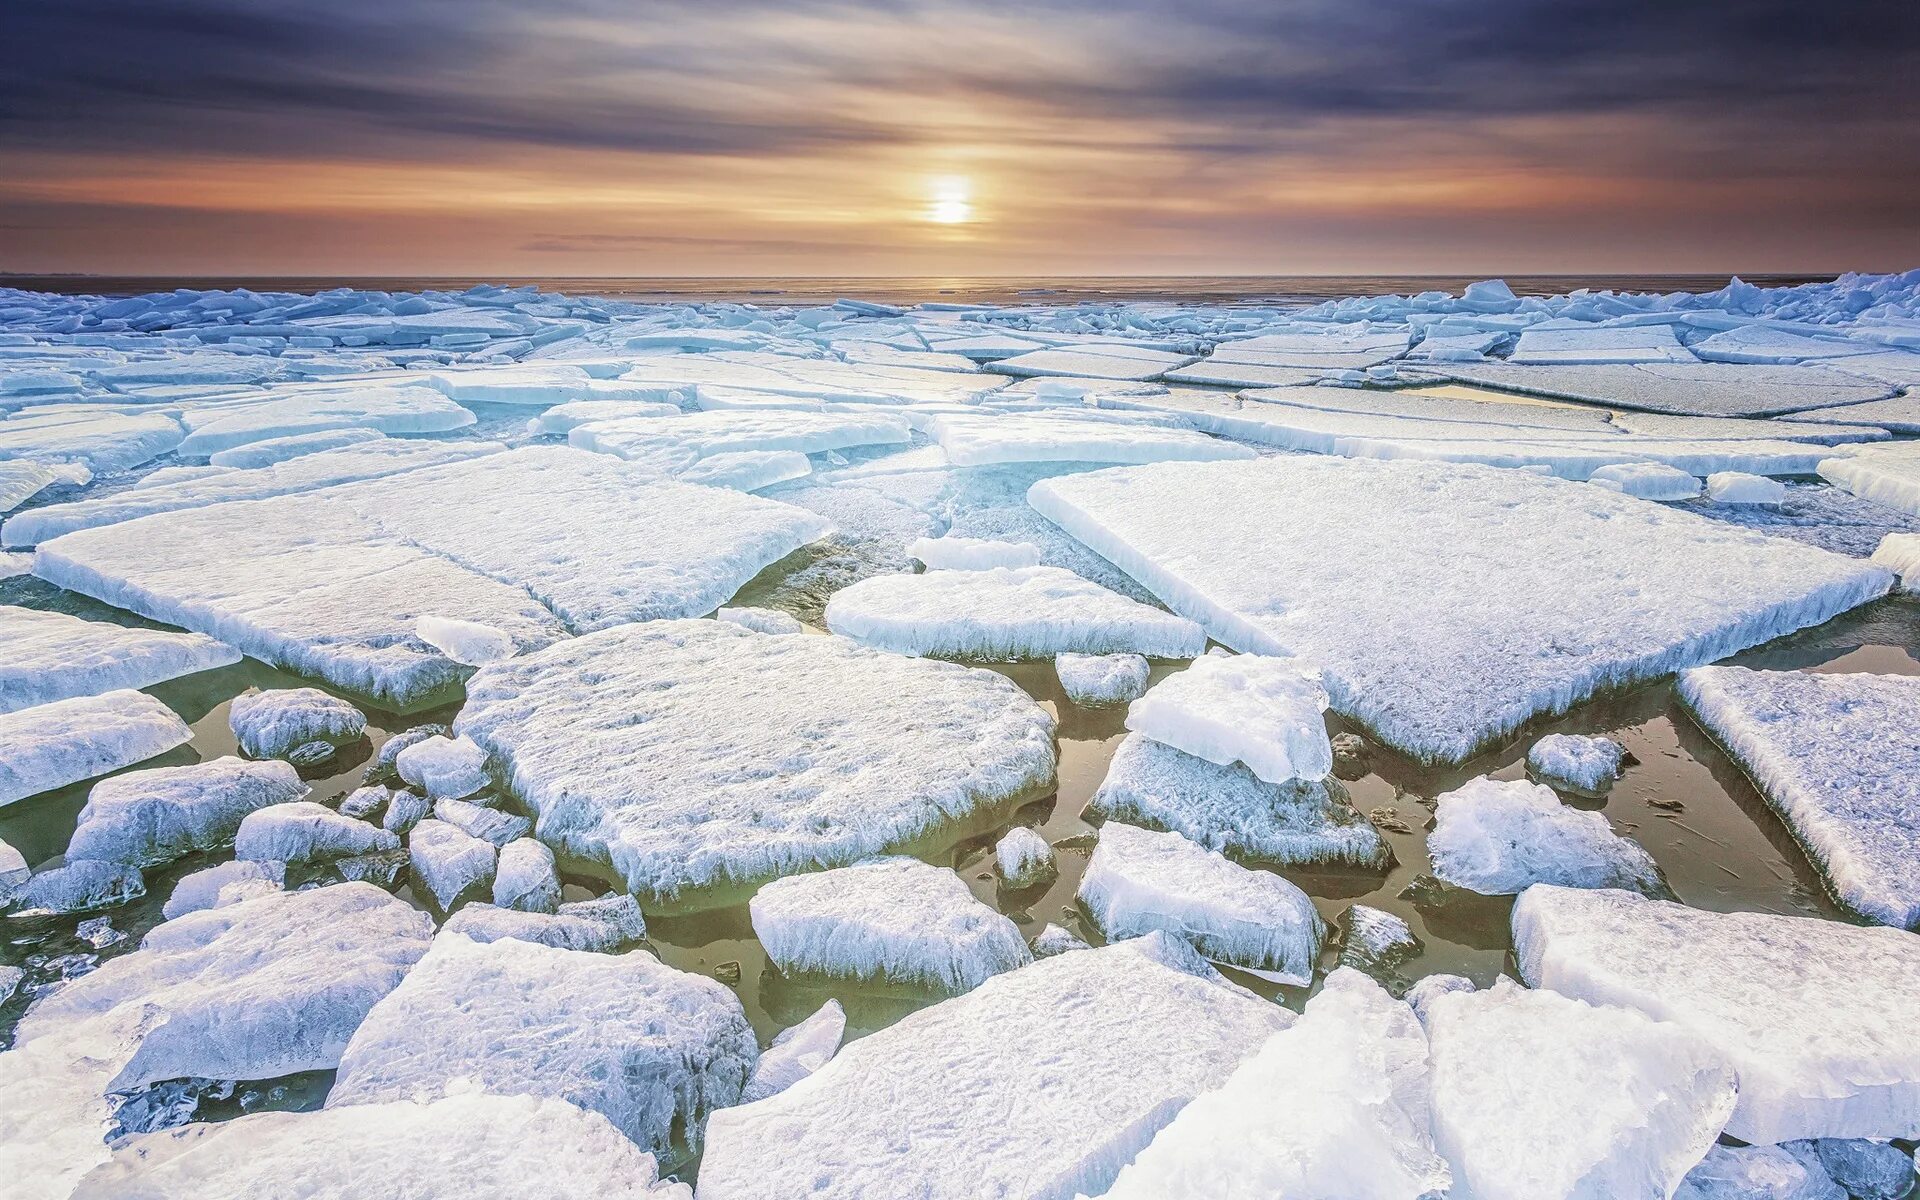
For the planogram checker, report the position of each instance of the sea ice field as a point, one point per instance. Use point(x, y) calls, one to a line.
point(515, 743)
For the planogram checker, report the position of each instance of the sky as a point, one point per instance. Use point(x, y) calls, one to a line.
point(507, 138)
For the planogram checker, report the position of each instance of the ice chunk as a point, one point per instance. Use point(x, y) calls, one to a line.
point(1888, 474)
point(1338, 1105)
point(1138, 882)
point(953, 553)
point(279, 449)
point(1041, 1083)
point(1110, 360)
point(477, 820)
point(1375, 941)
point(593, 926)
point(1431, 987)
point(797, 1052)
point(52, 745)
point(1837, 756)
point(748, 470)
point(209, 888)
point(1539, 1097)
point(144, 818)
point(302, 831)
point(1738, 487)
point(892, 920)
point(1005, 613)
point(1254, 709)
point(405, 809)
point(1863, 1168)
point(1099, 679)
point(14, 873)
point(1756, 1173)
point(1569, 342)
point(691, 754)
point(444, 768)
point(1533, 628)
point(473, 1146)
point(449, 862)
point(1817, 1016)
point(980, 440)
point(20, 481)
point(48, 656)
point(1052, 940)
point(760, 620)
point(1499, 837)
point(531, 384)
point(525, 879)
point(563, 419)
point(1581, 764)
point(1648, 481)
point(82, 886)
point(677, 441)
point(269, 724)
point(468, 643)
point(1024, 857)
point(381, 410)
point(1230, 809)
point(650, 1048)
point(1900, 553)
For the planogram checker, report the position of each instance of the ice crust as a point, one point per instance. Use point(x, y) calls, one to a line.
point(687, 755)
point(1258, 710)
point(52, 745)
point(48, 656)
point(1499, 837)
point(144, 818)
point(1623, 590)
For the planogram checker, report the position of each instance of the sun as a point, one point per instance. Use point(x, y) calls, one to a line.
point(951, 201)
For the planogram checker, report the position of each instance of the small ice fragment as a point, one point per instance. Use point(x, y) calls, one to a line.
point(81, 887)
point(1647, 481)
point(302, 832)
point(1500, 837)
point(1375, 940)
point(1581, 764)
point(1052, 940)
point(525, 879)
point(1249, 708)
point(366, 803)
point(955, 553)
point(405, 809)
point(1093, 680)
point(797, 1052)
point(449, 862)
point(1757, 1173)
point(477, 820)
point(445, 768)
point(1024, 857)
point(1866, 1169)
point(1738, 487)
point(469, 643)
point(269, 724)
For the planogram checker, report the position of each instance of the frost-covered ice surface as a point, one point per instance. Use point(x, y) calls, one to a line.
point(1816, 1016)
point(444, 768)
point(890, 921)
point(652, 1049)
point(690, 754)
point(1139, 881)
point(143, 818)
point(1101, 679)
point(48, 656)
point(1042, 1082)
point(1005, 613)
point(1622, 590)
point(1336, 1105)
point(525, 878)
point(280, 449)
point(1577, 762)
point(1838, 757)
point(449, 862)
point(52, 745)
point(1232, 810)
point(475, 1146)
point(797, 1052)
point(1541, 1097)
point(1075, 435)
point(1499, 838)
point(214, 886)
point(1258, 710)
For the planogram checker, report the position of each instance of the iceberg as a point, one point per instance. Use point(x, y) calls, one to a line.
point(145, 818)
point(1095, 680)
point(49, 656)
point(1575, 762)
point(693, 754)
point(1258, 710)
point(1837, 756)
point(52, 745)
point(1619, 589)
point(1500, 837)
point(1816, 1016)
point(797, 1052)
point(1004, 614)
point(1138, 882)
point(1042, 1082)
point(269, 724)
point(890, 921)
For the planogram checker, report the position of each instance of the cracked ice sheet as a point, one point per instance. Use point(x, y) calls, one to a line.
point(48, 656)
point(1838, 758)
point(390, 410)
point(1899, 414)
point(1574, 588)
point(533, 542)
point(1103, 361)
point(692, 755)
point(1040, 1083)
point(676, 441)
point(814, 378)
point(1298, 357)
point(1696, 389)
point(52, 745)
point(1585, 344)
point(988, 440)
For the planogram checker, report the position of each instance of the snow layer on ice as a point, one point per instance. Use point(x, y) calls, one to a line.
point(384, 410)
point(1703, 389)
point(48, 656)
point(953, 553)
point(269, 724)
point(1024, 857)
point(265, 453)
point(1337, 1105)
point(797, 1052)
point(892, 920)
point(1583, 764)
point(1005, 613)
point(302, 831)
point(144, 818)
point(1138, 881)
point(1541, 1097)
point(1570, 343)
point(650, 1048)
point(1098, 679)
point(1620, 589)
point(468, 643)
point(1838, 757)
point(984, 439)
point(1262, 711)
point(1230, 809)
point(1887, 474)
point(104, 441)
point(473, 1146)
point(209, 888)
point(1648, 481)
point(690, 754)
point(1499, 837)
point(1041, 1083)
point(1817, 1016)
point(52, 745)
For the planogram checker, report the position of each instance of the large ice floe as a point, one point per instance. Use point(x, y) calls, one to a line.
point(254, 990)
point(386, 410)
point(687, 755)
point(1337, 1105)
point(1691, 388)
point(1888, 475)
point(1005, 613)
point(652, 1049)
point(984, 439)
point(48, 656)
point(52, 745)
point(1817, 1017)
point(1574, 589)
point(1139, 881)
point(893, 920)
point(475, 1146)
point(1838, 757)
point(1042, 1082)
point(1540, 1097)
point(1500, 837)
